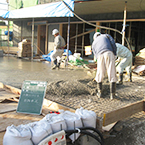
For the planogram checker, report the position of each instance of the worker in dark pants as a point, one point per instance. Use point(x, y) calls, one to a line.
point(59, 44)
point(104, 50)
point(125, 62)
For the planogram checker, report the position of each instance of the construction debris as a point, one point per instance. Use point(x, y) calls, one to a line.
point(140, 57)
point(24, 48)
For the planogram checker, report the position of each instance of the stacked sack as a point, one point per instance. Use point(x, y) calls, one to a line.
point(73, 121)
point(88, 117)
point(20, 135)
point(34, 133)
point(39, 130)
point(56, 121)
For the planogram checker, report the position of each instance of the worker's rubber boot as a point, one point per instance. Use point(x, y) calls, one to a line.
point(112, 90)
point(129, 76)
point(120, 81)
point(58, 65)
point(99, 88)
point(54, 64)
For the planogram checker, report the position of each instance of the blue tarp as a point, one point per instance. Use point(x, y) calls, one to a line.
point(47, 57)
point(55, 9)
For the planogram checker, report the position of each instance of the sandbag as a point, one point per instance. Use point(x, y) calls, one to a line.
point(40, 130)
point(73, 121)
point(56, 121)
point(88, 117)
point(19, 135)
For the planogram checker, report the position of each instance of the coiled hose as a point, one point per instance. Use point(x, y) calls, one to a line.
point(84, 131)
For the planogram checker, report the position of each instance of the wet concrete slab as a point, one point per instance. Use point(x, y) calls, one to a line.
point(13, 71)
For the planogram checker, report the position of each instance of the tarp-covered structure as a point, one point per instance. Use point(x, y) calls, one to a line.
point(54, 9)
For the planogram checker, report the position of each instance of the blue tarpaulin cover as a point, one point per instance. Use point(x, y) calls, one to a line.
point(54, 9)
point(47, 57)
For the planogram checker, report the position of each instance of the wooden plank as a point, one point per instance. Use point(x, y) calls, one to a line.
point(123, 113)
point(6, 95)
point(1, 137)
point(108, 127)
point(82, 34)
point(16, 119)
point(12, 50)
point(56, 106)
point(6, 107)
point(10, 88)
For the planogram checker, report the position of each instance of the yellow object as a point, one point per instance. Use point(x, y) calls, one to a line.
point(88, 50)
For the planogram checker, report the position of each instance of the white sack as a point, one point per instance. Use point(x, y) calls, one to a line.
point(88, 117)
point(56, 121)
point(73, 121)
point(17, 136)
point(40, 130)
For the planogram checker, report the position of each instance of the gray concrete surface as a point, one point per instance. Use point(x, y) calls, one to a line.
point(13, 71)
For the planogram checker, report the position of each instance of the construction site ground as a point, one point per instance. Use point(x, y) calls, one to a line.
point(74, 87)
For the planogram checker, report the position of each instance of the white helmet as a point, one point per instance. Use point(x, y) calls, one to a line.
point(55, 31)
point(96, 35)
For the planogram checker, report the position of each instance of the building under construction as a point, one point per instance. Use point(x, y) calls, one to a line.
point(89, 16)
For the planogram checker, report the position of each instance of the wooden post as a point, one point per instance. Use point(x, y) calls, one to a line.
point(8, 30)
point(38, 38)
point(83, 40)
point(129, 33)
point(124, 24)
point(32, 38)
point(76, 38)
point(60, 29)
point(46, 40)
point(97, 28)
point(68, 31)
point(115, 31)
point(8, 36)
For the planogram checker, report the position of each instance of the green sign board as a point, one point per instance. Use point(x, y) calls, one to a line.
point(31, 98)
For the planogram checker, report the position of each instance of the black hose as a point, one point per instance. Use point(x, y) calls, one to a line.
point(92, 135)
point(95, 130)
point(83, 131)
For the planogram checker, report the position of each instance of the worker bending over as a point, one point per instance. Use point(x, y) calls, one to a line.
point(59, 44)
point(125, 62)
point(104, 50)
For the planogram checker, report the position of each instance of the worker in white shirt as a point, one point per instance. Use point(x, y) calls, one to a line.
point(59, 44)
point(125, 62)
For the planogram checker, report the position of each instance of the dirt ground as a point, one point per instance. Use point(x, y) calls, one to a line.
point(74, 88)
